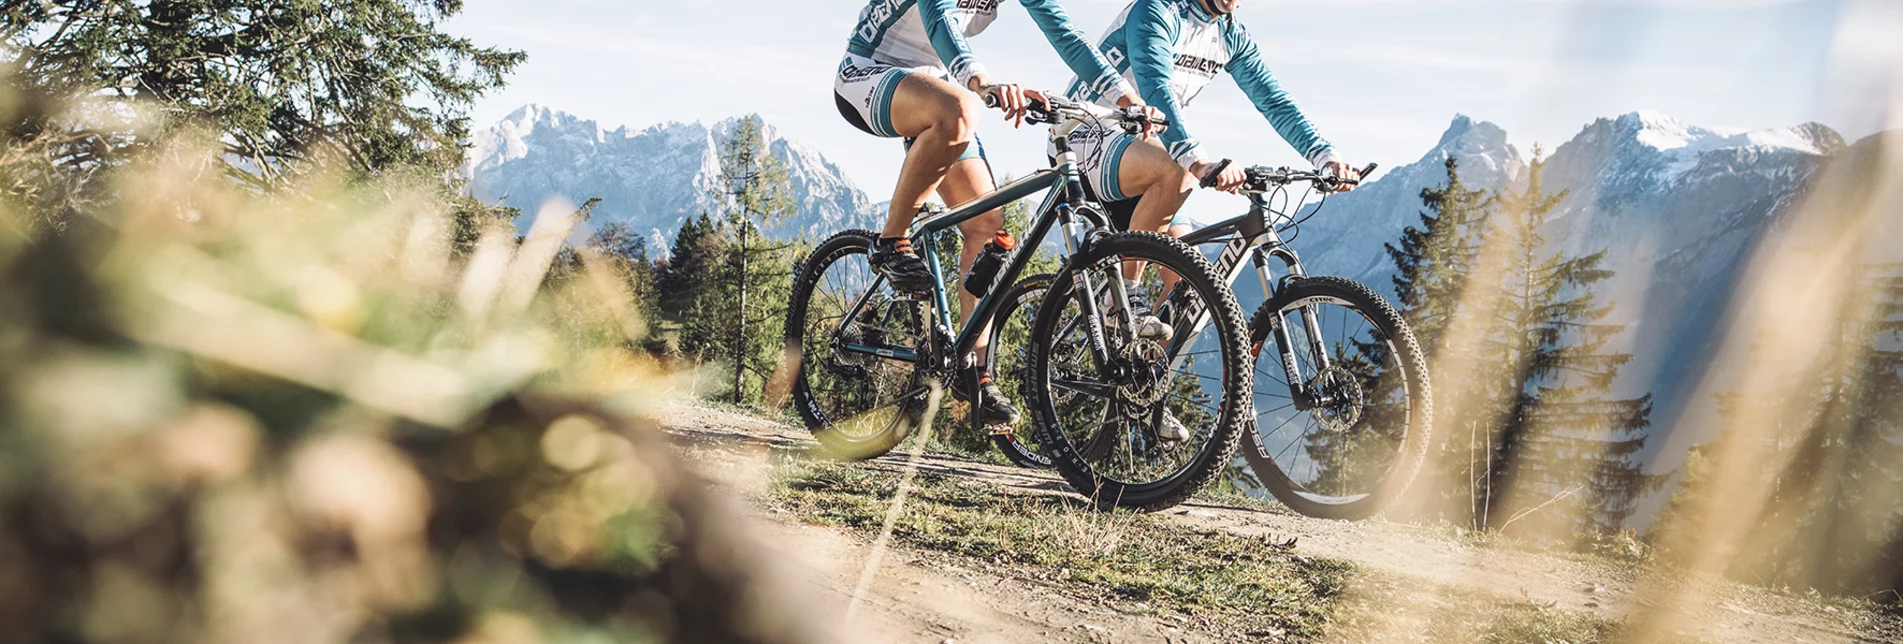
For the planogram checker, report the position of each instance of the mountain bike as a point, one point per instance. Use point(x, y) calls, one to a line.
point(869, 362)
point(1343, 409)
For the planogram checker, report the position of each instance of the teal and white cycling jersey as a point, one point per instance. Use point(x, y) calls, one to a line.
point(933, 33)
point(1170, 50)
point(929, 36)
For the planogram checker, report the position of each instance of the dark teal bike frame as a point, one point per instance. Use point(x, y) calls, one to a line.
point(1064, 205)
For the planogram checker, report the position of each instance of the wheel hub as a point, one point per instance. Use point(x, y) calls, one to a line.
point(1339, 399)
point(1145, 375)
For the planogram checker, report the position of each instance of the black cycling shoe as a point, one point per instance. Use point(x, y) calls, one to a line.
point(894, 259)
point(996, 409)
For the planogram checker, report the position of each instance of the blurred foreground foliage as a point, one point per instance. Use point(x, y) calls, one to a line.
point(334, 411)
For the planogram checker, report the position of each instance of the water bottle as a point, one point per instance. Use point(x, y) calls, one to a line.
point(986, 266)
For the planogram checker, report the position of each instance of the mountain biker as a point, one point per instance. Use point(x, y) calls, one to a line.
point(1170, 50)
point(909, 72)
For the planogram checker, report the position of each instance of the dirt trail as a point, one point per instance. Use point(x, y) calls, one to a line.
point(920, 600)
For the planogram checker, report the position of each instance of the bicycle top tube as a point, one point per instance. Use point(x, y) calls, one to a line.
point(1007, 194)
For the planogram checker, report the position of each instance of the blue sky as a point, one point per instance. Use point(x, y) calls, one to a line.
point(1381, 78)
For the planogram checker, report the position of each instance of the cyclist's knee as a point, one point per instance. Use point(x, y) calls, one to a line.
point(959, 119)
point(982, 227)
point(1161, 175)
point(979, 229)
point(1181, 178)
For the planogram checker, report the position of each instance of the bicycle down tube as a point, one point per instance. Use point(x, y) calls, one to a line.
point(926, 232)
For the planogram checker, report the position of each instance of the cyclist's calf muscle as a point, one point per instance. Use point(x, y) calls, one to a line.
point(943, 119)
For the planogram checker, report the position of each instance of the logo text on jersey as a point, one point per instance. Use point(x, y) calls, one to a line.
point(854, 72)
point(875, 16)
point(1199, 64)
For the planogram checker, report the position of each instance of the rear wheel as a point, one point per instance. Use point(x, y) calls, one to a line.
point(1100, 413)
point(859, 385)
point(1352, 436)
point(1008, 361)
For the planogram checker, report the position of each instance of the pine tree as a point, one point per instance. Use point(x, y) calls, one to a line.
point(754, 190)
point(1434, 259)
point(627, 251)
point(688, 293)
point(280, 83)
point(1558, 432)
point(1433, 263)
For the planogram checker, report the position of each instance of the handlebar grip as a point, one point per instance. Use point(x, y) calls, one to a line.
point(1032, 105)
point(1209, 180)
point(1036, 105)
point(1362, 173)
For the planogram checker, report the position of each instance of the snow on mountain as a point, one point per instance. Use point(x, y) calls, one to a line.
point(1678, 223)
point(1678, 209)
point(652, 179)
point(1347, 236)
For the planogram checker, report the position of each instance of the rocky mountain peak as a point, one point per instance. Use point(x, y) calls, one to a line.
point(651, 179)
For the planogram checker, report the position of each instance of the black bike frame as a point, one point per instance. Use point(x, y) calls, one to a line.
point(1258, 240)
point(1063, 205)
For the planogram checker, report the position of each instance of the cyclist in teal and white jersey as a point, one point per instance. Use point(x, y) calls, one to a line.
point(1170, 50)
point(909, 72)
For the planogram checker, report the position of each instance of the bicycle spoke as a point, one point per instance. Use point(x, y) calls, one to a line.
point(1275, 410)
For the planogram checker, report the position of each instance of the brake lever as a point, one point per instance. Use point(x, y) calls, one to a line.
point(1209, 180)
point(1136, 120)
point(1334, 183)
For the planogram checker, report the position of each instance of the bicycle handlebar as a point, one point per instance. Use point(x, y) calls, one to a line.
point(1263, 179)
point(1056, 110)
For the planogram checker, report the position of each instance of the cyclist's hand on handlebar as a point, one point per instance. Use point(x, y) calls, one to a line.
point(1230, 179)
point(1346, 176)
point(1009, 98)
point(1149, 129)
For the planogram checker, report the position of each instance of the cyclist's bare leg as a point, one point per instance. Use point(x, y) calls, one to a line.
point(943, 119)
point(968, 180)
point(1148, 170)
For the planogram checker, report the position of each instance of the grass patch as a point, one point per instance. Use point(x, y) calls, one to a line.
point(1528, 622)
point(1246, 588)
point(1253, 586)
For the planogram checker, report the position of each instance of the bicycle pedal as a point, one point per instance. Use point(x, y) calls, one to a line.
point(1000, 430)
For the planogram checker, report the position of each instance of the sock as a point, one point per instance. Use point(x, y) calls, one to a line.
point(886, 244)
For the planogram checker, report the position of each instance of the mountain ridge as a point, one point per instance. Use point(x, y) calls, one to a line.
point(651, 179)
point(1679, 210)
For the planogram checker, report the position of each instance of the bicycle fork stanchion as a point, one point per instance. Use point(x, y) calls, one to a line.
point(1075, 236)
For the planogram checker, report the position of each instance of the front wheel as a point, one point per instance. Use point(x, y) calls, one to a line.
point(1348, 433)
point(1135, 422)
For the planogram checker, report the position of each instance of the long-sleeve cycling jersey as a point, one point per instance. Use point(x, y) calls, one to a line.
point(930, 33)
point(1171, 49)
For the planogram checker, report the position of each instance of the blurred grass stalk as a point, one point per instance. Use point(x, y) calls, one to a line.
point(301, 415)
